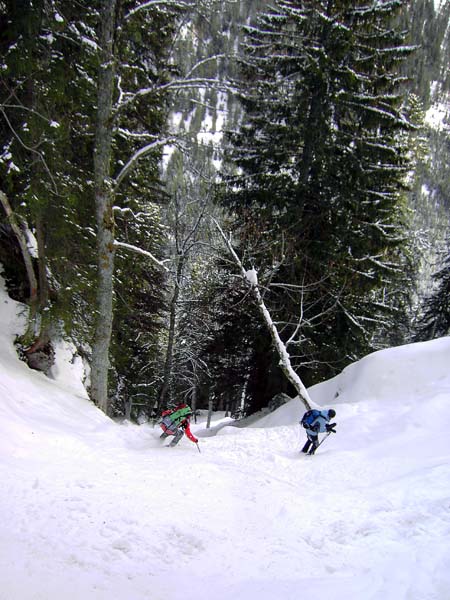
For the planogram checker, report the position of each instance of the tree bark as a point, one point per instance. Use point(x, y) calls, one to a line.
point(104, 195)
point(40, 354)
point(194, 401)
point(210, 412)
point(42, 263)
point(172, 329)
point(27, 259)
point(36, 340)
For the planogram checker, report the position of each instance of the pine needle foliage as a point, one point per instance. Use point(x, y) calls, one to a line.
point(322, 157)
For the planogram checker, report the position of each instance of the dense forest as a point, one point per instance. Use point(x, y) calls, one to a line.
point(153, 153)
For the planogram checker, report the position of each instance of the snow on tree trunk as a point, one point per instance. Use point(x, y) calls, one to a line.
point(243, 396)
point(38, 350)
point(105, 220)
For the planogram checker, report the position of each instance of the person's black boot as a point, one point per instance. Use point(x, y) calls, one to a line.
point(313, 449)
point(306, 447)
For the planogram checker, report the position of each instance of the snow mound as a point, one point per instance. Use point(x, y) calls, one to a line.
point(409, 373)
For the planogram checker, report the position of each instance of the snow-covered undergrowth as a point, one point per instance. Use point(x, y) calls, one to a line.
point(94, 510)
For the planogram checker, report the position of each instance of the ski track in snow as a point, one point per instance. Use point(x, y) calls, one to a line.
point(346, 519)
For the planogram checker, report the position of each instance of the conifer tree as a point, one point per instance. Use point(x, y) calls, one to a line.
point(435, 320)
point(48, 100)
point(319, 199)
point(44, 164)
point(131, 109)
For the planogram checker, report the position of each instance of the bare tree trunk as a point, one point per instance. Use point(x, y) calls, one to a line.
point(28, 261)
point(172, 329)
point(128, 403)
point(42, 263)
point(36, 340)
point(210, 411)
point(194, 401)
point(104, 196)
point(243, 396)
point(40, 354)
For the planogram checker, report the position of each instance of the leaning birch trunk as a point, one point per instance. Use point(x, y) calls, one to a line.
point(285, 361)
point(28, 261)
point(104, 195)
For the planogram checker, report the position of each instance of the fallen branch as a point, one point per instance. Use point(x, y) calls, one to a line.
point(141, 251)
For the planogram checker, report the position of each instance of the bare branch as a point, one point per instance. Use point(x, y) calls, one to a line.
point(177, 84)
point(29, 148)
point(137, 156)
point(135, 135)
point(141, 251)
point(152, 3)
point(200, 63)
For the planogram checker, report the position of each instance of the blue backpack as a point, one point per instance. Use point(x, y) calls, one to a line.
point(309, 417)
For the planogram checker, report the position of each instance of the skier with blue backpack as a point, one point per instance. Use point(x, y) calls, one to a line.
point(315, 422)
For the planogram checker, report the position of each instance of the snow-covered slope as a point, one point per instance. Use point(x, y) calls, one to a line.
point(93, 510)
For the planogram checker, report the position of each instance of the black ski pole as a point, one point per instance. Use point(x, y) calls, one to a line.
point(323, 439)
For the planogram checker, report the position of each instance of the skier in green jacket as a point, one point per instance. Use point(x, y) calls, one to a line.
point(176, 422)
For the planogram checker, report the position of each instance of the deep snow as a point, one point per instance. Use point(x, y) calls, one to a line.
point(95, 510)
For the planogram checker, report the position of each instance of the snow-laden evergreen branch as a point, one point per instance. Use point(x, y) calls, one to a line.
point(31, 149)
point(200, 63)
point(179, 84)
point(141, 251)
point(127, 211)
point(135, 135)
point(138, 155)
point(152, 3)
point(285, 362)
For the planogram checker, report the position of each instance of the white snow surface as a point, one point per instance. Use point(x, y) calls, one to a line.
point(252, 276)
point(437, 116)
point(96, 510)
